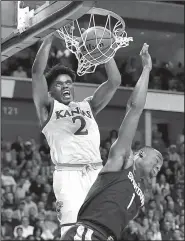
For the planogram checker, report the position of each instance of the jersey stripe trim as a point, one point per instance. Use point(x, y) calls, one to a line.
point(49, 115)
point(131, 201)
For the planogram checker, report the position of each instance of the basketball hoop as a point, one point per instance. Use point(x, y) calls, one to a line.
point(73, 36)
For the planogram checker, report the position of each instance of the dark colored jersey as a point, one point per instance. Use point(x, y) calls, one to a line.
point(113, 200)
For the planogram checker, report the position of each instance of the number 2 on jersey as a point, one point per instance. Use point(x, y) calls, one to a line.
point(81, 130)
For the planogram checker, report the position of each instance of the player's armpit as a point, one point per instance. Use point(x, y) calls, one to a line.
point(122, 146)
point(102, 96)
point(106, 90)
point(41, 98)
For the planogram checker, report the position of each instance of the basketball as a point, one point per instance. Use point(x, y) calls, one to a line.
point(96, 43)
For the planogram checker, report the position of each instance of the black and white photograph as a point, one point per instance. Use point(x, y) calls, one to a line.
point(92, 120)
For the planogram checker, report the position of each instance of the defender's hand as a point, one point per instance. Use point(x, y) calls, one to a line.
point(145, 56)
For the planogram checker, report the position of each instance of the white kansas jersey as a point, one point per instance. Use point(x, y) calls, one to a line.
point(72, 134)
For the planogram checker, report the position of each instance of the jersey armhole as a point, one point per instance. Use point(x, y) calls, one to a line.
point(88, 99)
point(49, 115)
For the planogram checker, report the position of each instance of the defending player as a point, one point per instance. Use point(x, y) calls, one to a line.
point(118, 191)
point(70, 129)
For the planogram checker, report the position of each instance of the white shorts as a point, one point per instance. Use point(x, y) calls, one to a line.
point(71, 186)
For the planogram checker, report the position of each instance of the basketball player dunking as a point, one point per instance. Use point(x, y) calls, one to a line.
point(70, 129)
point(118, 191)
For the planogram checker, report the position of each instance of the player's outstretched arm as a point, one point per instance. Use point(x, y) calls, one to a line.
point(39, 84)
point(105, 91)
point(122, 146)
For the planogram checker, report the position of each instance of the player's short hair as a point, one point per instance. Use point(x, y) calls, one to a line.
point(147, 149)
point(57, 70)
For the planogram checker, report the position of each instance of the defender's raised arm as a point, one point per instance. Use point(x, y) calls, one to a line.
point(135, 106)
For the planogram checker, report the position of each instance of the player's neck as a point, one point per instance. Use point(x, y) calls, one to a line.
point(138, 169)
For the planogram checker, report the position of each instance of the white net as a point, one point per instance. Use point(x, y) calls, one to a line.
point(75, 36)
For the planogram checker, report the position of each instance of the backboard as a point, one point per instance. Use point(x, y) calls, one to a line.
point(40, 18)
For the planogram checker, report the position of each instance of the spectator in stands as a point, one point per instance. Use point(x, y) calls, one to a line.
point(173, 155)
point(181, 152)
point(170, 178)
point(28, 150)
point(23, 185)
point(17, 145)
point(46, 233)
point(9, 223)
point(155, 83)
point(173, 84)
point(51, 222)
point(29, 204)
point(145, 225)
point(179, 68)
point(21, 159)
point(41, 207)
point(27, 229)
point(9, 200)
point(52, 61)
point(113, 136)
point(19, 72)
point(19, 213)
point(150, 215)
point(36, 186)
point(7, 179)
point(104, 154)
point(33, 216)
point(165, 75)
point(37, 233)
point(5, 68)
point(131, 232)
point(19, 234)
point(44, 151)
point(166, 231)
point(162, 184)
point(177, 235)
point(157, 141)
point(149, 235)
point(107, 145)
point(7, 154)
point(136, 146)
point(14, 169)
point(51, 211)
point(133, 70)
point(156, 231)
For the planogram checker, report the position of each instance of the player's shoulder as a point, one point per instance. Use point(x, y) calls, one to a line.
point(119, 162)
point(88, 99)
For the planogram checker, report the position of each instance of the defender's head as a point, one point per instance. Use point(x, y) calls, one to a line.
point(149, 161)
point(60, 83)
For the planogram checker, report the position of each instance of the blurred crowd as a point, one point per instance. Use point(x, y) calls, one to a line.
point(164, 76)
point(28, 202)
